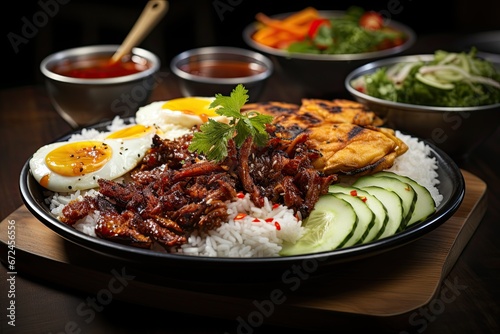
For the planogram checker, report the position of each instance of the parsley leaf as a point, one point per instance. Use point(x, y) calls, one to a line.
point(213, 137)
point(212, 140)
point(230, 106)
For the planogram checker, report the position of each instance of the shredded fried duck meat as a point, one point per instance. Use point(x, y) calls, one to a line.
point(174, 192)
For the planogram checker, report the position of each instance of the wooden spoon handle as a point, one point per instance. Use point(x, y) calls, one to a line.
point(150, 16)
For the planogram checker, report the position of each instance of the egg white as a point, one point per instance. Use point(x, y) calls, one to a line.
point(171, 123)
point(126, 154)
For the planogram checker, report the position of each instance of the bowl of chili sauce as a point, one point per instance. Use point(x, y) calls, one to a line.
point(85, 87)
point(208, 71)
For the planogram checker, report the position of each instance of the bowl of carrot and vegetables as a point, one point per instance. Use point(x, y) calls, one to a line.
point(317, 49)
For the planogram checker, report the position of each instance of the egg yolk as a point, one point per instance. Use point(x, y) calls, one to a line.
point(78, 158)
point(192, 106)
point(134, 131)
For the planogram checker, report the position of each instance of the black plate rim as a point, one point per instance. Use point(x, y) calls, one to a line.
point(137, 255)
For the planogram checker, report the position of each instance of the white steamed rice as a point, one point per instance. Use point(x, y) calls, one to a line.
point(418, 165)
point(257, 234)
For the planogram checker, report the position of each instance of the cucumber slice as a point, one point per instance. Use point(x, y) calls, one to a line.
point(402, 189)
point(329, 226)
point(425, 205)
point(394, 208)
point(372, 202)
point(366, 219)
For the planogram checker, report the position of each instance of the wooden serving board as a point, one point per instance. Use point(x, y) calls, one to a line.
point(390, 284)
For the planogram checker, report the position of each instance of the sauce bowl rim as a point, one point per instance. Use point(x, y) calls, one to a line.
point(53, 58)
point(208, 51)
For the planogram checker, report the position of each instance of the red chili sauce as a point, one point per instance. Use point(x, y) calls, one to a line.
point(222, 68)
point(101, 67)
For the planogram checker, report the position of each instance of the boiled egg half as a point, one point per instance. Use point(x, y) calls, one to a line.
point(78, 165)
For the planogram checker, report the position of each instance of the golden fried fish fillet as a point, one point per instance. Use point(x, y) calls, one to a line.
point(352, 149)
point(273, 108)
point(346, 134)
point(315, 111)
point(340, 111)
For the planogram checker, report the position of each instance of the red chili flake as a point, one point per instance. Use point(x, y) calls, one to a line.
point(354, 193)
point(360, 89)
point(256, 220)
point(363, 198)
point(275, 206)
point(240, 216)
point(278, 226)
point(269, 220)
point(240, 195)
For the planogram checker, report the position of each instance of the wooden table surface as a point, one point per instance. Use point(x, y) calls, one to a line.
point(28, 120)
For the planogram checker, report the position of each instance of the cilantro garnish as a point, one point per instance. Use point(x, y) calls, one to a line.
point(213, 137)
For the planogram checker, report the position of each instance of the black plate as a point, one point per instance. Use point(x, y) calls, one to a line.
point(178, 266)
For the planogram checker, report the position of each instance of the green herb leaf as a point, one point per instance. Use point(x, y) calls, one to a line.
point(213, 137)
point(324, 37)
point(345, 36)
point(212, 140)
point(230, 106)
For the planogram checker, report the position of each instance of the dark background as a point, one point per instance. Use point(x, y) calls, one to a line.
point(194, 23)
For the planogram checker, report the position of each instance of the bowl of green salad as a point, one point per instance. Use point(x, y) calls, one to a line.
point(449, 98)
point(316, 49)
